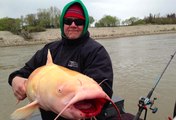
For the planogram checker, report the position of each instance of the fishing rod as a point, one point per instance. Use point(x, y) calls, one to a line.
point(144, 101)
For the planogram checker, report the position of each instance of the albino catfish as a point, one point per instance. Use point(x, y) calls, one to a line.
point(68, 93)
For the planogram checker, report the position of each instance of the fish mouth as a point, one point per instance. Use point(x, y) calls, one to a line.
point(90, 107)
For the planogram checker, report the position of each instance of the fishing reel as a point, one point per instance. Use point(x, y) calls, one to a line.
point(144, 101)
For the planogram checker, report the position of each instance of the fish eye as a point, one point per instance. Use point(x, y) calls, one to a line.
point(60, 91)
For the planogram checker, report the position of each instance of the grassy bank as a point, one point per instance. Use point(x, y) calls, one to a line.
point(9, 39)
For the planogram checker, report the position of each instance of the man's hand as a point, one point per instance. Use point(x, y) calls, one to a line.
point(18, 86)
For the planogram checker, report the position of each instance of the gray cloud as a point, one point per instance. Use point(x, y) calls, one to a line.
point(122, 9)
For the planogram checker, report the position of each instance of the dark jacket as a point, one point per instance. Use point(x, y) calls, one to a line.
point(84, 55)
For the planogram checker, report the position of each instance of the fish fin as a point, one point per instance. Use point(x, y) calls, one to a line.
point(18, 101)
point(25, 111)
point(49, 58)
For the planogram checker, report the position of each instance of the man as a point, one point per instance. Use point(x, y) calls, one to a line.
point(76, 51)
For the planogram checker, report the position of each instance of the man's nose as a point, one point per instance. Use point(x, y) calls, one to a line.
point(73, 24)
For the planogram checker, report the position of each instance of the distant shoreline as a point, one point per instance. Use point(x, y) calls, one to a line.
point(9, 39)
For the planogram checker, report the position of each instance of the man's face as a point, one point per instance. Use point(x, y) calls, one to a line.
point(73, 27)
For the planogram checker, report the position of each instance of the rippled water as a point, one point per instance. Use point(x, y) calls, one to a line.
point(137, 63)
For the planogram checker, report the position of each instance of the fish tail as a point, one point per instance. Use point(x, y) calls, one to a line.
point(25, 111)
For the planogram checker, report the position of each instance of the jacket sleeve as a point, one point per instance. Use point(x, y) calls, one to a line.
point(99, 67)
point(30, 66)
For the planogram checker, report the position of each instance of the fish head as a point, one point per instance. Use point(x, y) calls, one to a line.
point(85, 99)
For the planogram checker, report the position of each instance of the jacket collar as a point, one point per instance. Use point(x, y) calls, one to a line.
point(75, 42)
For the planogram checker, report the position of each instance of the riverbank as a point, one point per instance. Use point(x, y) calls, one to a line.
point(9, 39)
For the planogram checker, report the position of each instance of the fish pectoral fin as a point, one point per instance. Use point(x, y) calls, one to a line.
point(25, 111)
point(18, 101)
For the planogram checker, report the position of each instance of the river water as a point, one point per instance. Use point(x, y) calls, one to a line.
point(137, 64)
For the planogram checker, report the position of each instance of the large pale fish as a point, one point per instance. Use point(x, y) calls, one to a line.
point(68, 93)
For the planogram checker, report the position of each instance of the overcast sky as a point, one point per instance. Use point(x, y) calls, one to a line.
point(122, 9)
